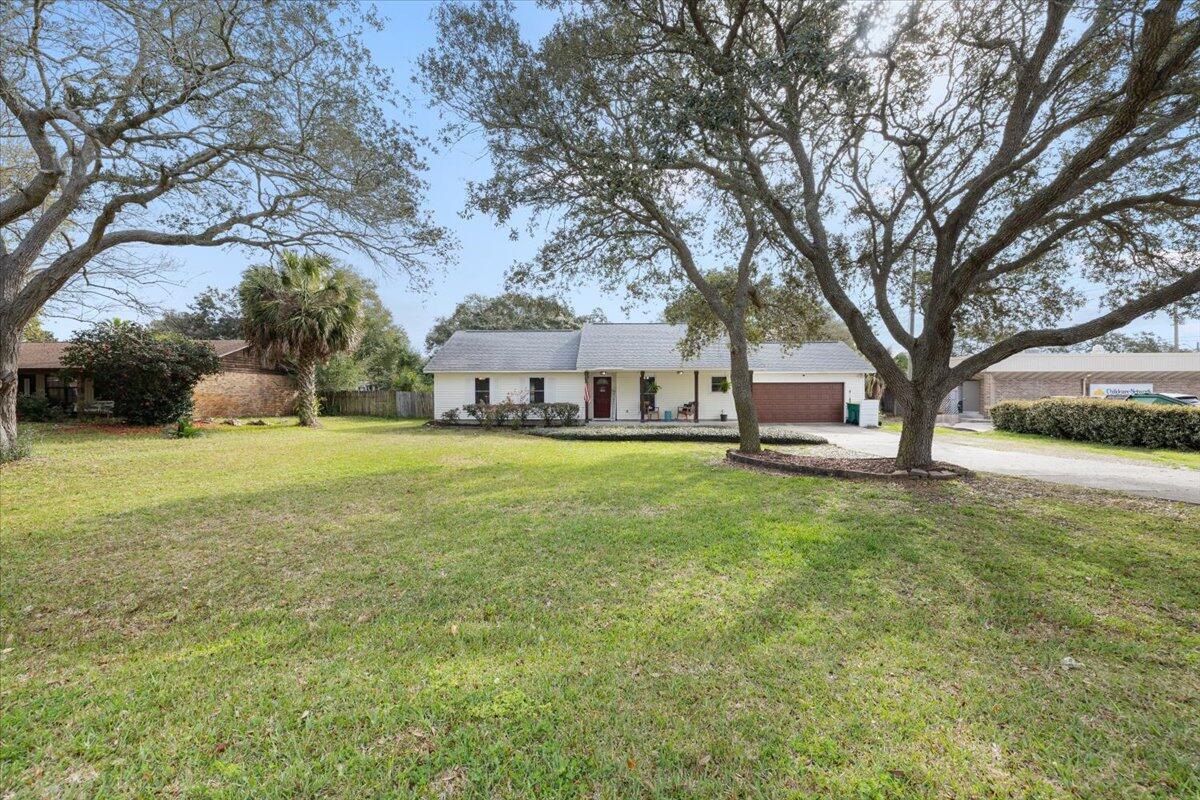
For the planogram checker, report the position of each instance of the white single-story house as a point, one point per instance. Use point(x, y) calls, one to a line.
point(609, 369)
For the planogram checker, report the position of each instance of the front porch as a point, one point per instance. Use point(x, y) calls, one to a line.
point(666, 397)
point(63, 389)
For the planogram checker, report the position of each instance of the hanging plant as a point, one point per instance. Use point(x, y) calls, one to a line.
point(723, 384)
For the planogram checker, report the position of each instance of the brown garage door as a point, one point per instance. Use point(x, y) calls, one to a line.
point(798, 402)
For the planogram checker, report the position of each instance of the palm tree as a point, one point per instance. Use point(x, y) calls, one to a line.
point(301, 313)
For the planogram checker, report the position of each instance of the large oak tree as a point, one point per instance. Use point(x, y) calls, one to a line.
point(168, 123)
point(575, 137)
point(1013, 157)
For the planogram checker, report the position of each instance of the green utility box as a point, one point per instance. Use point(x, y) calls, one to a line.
point(851, 413)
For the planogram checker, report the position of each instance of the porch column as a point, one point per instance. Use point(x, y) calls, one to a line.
point(696, 398)
point(587, 381)
point(641, 396)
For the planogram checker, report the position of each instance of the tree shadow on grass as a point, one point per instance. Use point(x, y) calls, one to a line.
point(650, 624)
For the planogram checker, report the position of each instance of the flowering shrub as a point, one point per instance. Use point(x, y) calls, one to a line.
point(149, 376)
point(1118, 422)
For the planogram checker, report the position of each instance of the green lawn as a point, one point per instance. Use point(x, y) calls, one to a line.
point(1031, 442)
point(378, 610)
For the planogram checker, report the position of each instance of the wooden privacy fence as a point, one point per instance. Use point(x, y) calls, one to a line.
point(378, 404)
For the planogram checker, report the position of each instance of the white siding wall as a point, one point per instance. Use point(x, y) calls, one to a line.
point(457, 389)
point(625, 395)
point(450, 390)
point(713, 403)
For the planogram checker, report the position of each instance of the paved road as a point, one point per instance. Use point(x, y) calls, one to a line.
point(1130, 476)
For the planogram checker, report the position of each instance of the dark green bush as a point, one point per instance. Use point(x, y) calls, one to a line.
point(450, 415)
point(1118, 422)
point(36, 408)
point(148, 375)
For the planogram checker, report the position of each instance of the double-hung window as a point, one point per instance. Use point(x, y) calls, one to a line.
point(537, 390)
point(483, 390)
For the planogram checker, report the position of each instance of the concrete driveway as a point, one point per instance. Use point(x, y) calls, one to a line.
point(1118, 475)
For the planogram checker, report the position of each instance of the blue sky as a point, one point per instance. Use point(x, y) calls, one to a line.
point(485, 250)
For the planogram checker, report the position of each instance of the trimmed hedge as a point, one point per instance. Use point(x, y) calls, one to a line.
point(683, 433)
point(1118, 422)
point(517, 415)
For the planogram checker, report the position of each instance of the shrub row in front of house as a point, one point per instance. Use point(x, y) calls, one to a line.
point(516, 415)
point(1116, 422)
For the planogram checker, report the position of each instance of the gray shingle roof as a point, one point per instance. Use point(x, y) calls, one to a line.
point(656, 346)
point(643, 345)
point(808, 357)
point(506, 351)
point(48, 355)
point(625, 346)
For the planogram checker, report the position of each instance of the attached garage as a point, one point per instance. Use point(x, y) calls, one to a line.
point(799, 402)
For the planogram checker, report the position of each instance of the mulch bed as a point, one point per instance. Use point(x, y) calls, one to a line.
point(109, 428)
point(875, 468)
point(779, 435)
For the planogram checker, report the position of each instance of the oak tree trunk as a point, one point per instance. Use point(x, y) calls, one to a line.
point(306, 401)
point(10, 340)
point(916, 439)
point(749, 440)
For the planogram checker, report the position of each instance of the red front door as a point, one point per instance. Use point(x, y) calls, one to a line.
point(602, 394)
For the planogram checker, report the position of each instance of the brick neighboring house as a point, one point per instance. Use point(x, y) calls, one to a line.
point(1032, 376)
point(246, 386)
